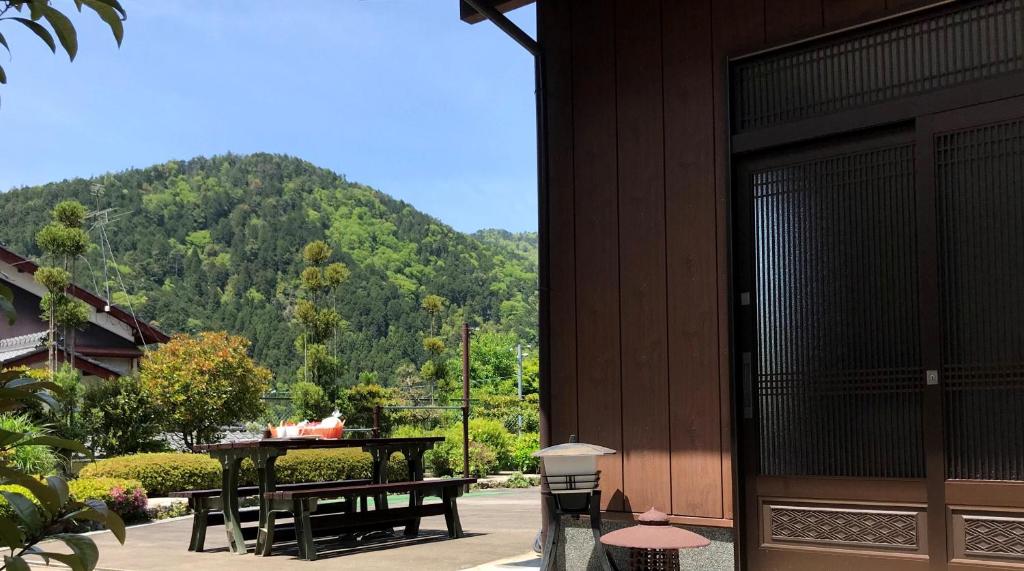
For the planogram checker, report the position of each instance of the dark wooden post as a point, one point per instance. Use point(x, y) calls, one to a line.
point(465, 400)
point(376, 421)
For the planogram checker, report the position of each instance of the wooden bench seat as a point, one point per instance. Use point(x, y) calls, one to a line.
point(310, 520)
point(207, 508)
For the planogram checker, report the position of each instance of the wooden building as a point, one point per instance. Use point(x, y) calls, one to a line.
point(109, 346)
point(782, 269)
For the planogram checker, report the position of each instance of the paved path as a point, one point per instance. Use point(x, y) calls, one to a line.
point(499, 524)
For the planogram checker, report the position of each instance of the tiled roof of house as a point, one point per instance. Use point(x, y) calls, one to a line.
point(14, 347)
point(145, 332)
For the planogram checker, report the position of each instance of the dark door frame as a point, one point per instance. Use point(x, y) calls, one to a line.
point(918, 109)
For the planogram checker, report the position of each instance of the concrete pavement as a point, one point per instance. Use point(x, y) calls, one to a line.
point(499, 524)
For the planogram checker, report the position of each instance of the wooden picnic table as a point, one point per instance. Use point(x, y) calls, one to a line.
point(265, 452)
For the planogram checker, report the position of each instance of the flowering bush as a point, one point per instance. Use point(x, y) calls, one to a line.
point(125, 497)
point(130, 503)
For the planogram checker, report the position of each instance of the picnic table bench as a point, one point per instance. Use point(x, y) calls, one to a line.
point(207, 506)
point(310, 519)
point(264, 454)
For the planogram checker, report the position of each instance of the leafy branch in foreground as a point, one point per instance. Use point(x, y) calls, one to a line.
point(45, 511)
point(39, 12)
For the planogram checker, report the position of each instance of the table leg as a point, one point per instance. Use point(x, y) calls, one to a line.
point(414, 459)
point(381, 456)
point(267, 479)
point(230, 467)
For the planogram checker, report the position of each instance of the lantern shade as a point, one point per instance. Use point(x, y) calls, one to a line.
point(654, 537)
point(654, 532)
point(573, 449)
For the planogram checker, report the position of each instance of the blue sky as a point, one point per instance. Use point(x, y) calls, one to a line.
point(397, 94)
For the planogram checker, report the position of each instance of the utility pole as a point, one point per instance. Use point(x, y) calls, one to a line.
point(465, 400)
point(519, 380)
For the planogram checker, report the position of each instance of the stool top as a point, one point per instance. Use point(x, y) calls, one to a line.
point(654, 532)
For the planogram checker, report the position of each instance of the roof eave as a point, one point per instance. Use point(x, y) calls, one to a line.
point(471, 16)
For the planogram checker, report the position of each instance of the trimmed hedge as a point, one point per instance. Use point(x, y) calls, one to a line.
point(162, 473)
point(159, 473)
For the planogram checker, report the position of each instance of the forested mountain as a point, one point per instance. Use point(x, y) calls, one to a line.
point(215, 243)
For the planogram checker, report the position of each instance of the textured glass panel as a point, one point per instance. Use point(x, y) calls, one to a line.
point(980, 41)
point(981, 261)
point(839, 378)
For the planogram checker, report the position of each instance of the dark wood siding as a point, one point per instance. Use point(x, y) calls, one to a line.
point(637, 227)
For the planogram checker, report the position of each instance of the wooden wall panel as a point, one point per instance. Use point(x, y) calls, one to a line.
point(789, 20)
point(641, 166)
point(842, 13)
point(694, 394)
point(555, 30)
point(595, 149)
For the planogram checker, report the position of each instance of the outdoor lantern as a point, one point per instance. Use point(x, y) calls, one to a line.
point(572, 466)
point(571, 476)
point(654, 544)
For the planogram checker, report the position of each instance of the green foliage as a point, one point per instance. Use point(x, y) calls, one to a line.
point(69, 213)
point(490, 448)
point(523, 447)
point(64, 418)
point(318, 320)
point(162, 473)
point(310, 402)
point(43, 509)
point(119, 417)
point(433, 345)
point(34, 459)
point(58, 240)
point(66, 310)
point(53, 279)
point(316, 253)
point(39, 11)
point(517, 480)
point(7, 304)
point(327, 465)
point(203, 382)
point(359, 401)
point(507, 409)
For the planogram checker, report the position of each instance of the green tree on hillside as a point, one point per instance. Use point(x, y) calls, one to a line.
point(319, 322)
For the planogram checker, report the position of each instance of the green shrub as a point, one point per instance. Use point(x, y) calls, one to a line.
point(310, 402)
point(523, 447)
point(325, 465)
point(35, 459)
point(495, 436)
point(120, 418)
point(488, 441)
point(507, 409)
point(126, 498)
point(162, 473)
point(517, 480)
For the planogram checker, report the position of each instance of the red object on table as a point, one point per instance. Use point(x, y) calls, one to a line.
point(654, 544)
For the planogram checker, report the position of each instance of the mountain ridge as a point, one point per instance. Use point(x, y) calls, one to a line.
point(214, 243)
